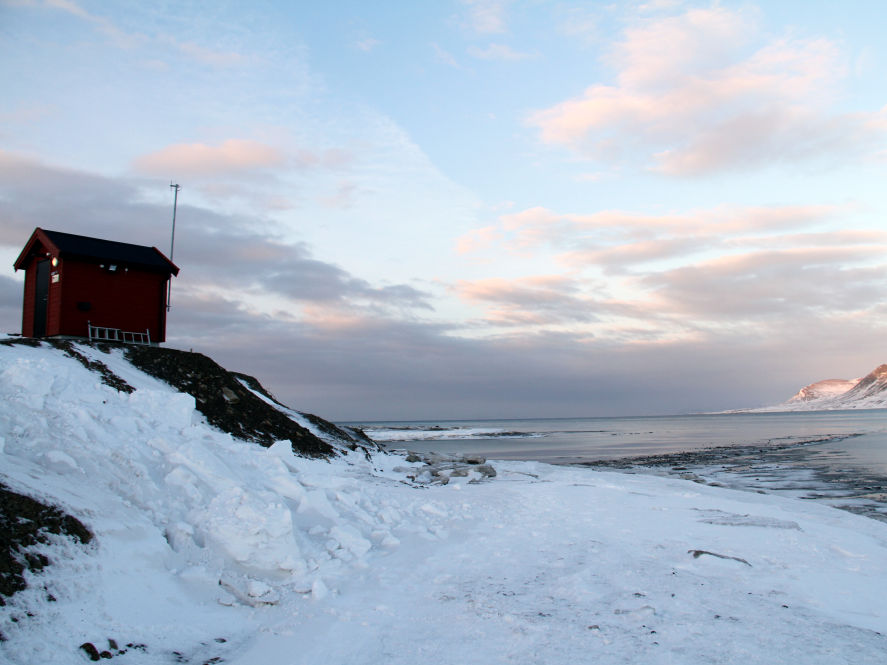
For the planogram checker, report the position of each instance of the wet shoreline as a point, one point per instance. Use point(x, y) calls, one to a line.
point(802, 470)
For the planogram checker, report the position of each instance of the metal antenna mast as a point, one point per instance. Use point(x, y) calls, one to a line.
point(172, 242)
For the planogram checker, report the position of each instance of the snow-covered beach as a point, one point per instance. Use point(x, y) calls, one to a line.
point(211, 549)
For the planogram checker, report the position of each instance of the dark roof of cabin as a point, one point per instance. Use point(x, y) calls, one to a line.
point(70, 245)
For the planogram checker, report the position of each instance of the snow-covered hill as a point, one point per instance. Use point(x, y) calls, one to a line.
point(172, 540)
point(869, 392)
point(820, 390)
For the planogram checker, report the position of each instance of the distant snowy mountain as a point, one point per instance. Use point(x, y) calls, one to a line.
point(869, 392)
point(823, 390)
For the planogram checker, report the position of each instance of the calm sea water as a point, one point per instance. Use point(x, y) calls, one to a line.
point(855, 438)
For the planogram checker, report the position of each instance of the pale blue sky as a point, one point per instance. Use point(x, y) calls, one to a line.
point(473, 208)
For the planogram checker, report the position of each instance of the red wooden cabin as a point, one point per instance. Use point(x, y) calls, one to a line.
point(73, 282)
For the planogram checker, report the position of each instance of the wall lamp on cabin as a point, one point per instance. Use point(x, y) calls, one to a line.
point(55, 262)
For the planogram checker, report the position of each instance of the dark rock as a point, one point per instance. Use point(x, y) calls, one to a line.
point(24, 341)
point(91, 651)
point(438, 468)
point(486, 470)
point(224, 400)
point(25, 522)
point(230, 395)
point(698, 553)
point(108, 377)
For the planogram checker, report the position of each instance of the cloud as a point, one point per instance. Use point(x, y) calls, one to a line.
point(609, 234)
point(444, 56)
point(327, 341)
point(119, 37)
point(198, 159)
point(539, 300)
point(329, 158)
point(131, 40)
point(10, 305)
point(581, 23)
point(486, 16)
point(344, 196)
point(374, 369)
point(499, 52)
point(619, 257)
point(757, 286)
point(367, 44)
point(208, 56)
point(216, 251)
point(477, 240)
point(630, 277)
point(697, 93)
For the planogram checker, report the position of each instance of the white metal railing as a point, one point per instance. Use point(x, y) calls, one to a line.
point(104, 334)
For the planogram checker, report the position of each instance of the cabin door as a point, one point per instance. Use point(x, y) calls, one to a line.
point(41, 298)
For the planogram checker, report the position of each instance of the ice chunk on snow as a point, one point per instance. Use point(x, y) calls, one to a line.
point(319, 590)
point(60, 461)
point(351, 539)
point(317, 501)
point(254, 530)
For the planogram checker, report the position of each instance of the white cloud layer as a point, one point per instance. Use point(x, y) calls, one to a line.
point(701, 93)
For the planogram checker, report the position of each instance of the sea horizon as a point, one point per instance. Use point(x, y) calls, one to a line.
point(560, 439)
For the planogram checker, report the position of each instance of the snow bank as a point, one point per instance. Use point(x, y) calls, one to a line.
point(193, 505)
point(207, 548)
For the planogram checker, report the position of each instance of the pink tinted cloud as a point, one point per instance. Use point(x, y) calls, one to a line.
point(536, 300)
point(327, 318)
point(858, 237)
point(770, 264)
point(664, 51)
point(478, 240)
point(691, 99)
point(197, 159)
point(539, 289)
point(119, 37)
point(615, 237)
point(625, 255)
point(773, 283)
point(765, 288)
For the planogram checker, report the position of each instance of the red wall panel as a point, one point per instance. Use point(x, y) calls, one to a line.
point(128, 299)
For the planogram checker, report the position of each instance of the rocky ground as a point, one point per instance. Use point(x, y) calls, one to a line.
point(25, 524)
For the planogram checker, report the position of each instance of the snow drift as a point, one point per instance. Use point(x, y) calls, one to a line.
point(208, 547)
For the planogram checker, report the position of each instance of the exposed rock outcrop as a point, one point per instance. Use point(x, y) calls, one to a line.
point(25, 523)
point(224, 400)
